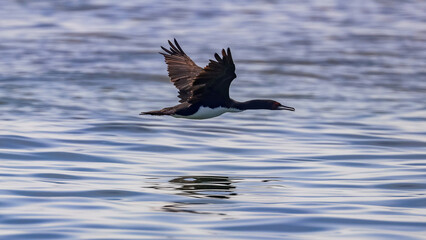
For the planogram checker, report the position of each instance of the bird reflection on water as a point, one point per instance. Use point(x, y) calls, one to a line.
point(205, 188)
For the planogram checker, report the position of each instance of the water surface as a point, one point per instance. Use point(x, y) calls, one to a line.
point(78, 162)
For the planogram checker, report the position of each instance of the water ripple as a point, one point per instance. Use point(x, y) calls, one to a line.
point(88, 194)
point(78, 162)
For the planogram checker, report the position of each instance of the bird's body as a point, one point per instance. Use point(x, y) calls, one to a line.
point(204, 92)
point(207, 112)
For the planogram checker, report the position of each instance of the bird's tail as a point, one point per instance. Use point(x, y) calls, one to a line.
point(156, 113)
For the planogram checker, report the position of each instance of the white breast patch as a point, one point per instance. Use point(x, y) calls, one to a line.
point(206, 112)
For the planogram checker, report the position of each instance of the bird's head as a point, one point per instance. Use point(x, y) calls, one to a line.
point(264, 104)
point(274, 105)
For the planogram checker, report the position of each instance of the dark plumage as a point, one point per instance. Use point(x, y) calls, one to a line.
point(204, 92)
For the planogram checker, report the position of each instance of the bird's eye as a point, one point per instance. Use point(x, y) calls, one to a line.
point(276, 105)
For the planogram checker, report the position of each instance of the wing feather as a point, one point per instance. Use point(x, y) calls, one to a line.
point(182, 70)
point(194, 82)
point(215, 79)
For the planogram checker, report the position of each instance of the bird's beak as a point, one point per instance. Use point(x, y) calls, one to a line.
point(282, 107)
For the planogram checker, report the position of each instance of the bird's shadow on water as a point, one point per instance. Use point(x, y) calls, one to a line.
point(205, 186)
point(201, 190)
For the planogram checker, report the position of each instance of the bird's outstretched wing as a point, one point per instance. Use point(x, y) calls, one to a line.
point(214, 80)
point(182, 70)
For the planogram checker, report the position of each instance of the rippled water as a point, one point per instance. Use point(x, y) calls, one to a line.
point(78, 162)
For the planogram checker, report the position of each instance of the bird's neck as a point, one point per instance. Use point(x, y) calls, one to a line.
point(252, 104)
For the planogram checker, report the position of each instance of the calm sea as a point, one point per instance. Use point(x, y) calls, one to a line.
point(78, 162)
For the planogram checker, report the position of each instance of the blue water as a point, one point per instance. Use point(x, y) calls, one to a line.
point(78, 162)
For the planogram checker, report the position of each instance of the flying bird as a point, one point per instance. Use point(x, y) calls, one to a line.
point(204, 92)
